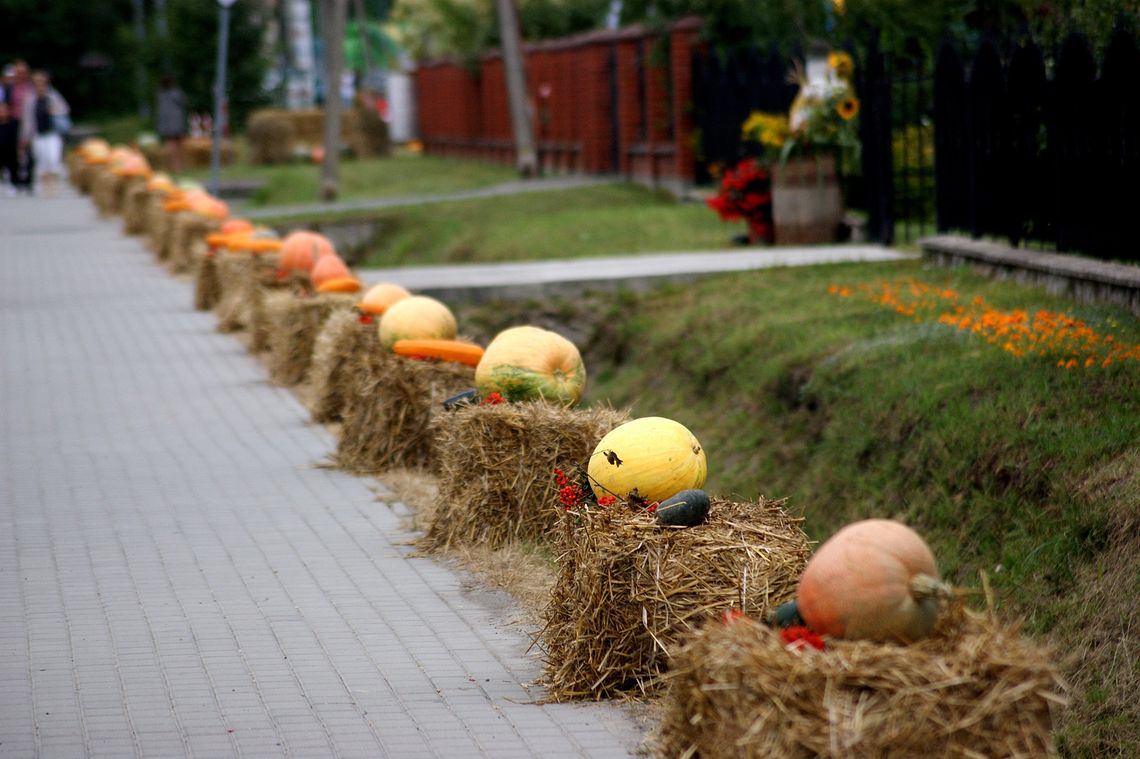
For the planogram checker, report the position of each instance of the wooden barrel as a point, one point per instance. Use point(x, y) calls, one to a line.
point(807, 207)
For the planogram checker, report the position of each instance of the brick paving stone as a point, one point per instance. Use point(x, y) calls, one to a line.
point(179, 577)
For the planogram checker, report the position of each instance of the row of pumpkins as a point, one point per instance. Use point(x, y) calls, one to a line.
point(875, 579)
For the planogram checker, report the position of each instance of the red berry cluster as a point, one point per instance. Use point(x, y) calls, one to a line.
point(365, 318)
point(494, 399)
point(569, 494)
point(732, 615)
point(607, 500)
point(799, 637)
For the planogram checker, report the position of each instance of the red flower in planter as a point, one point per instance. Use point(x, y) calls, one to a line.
point(746, 193)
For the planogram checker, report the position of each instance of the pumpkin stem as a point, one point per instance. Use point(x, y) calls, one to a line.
point(925, 586)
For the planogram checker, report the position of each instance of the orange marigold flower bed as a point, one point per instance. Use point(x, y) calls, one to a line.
point(1053, 334)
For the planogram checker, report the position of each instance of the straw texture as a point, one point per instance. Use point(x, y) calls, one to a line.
point(496, 468)
point(342, 338)
point(393, 401)
point(976, 688)
point(629, 590)
point(294, 323)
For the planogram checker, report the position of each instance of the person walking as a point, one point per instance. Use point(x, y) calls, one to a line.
point(172, 121)
point(9, 141)
point(43, 127)
point(18, 89)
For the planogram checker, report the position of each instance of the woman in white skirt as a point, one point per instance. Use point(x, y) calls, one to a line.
point(42, 128)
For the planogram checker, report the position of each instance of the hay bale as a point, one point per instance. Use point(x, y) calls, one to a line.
point(245, 280)
point(107, 191)
point(393, 401)
point(207, 284)
point(497, 468)
point(188, 230)
point(343, 337)
point(295, 321)
point(271, 135)
point(156, 221)
point(135, 200)
point(976, 688)
point(629, 590)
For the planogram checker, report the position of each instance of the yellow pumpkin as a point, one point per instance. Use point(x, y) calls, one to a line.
point(416, 318)
point(872, 580)
point(380, 298)
point(529, 363)
point(651, 458)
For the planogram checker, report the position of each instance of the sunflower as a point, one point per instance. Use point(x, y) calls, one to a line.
point(841, 64)
point(847, 108)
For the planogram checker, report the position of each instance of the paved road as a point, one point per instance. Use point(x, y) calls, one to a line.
point(533, 279)
point(372, 204)
point(177, 578)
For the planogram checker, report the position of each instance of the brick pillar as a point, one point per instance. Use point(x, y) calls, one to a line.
point(684, 37)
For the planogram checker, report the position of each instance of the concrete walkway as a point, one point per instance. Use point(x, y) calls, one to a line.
point(373, 204)
point(477, 282)
point(179, 578)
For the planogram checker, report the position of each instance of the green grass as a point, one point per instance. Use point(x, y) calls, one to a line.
point(1012, 466)
point(402, 174)
point(589, 221)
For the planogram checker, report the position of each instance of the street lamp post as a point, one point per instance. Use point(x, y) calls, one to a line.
point(220, 93)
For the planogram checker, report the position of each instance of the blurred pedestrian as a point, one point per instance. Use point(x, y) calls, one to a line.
point(43, 126)
point(9, 141)
point(172, 121)
point(17, 89)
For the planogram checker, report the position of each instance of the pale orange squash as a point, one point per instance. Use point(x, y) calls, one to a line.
point(380, 297)
point(416, 318)
point(302, 248)
point(872, 580)
point(328, 268)
point(530, 363)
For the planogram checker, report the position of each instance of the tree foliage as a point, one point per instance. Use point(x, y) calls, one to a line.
point(90, 49)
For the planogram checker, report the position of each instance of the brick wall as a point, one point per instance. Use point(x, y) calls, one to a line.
point(572, 86)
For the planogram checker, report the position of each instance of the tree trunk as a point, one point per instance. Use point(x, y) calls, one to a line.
point(332, 31)
point(515, 70)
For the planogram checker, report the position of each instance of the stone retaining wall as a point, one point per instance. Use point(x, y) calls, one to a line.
point(1084, 279)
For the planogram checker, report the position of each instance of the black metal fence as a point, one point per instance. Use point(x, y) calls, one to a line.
point(1041, 149)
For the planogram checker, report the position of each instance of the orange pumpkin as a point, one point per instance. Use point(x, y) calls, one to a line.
point(237, 227)
point(329, 268)
point(416, 318)
point(339, 284)
point(380, 297)
point(873, 580)
point(301, 250)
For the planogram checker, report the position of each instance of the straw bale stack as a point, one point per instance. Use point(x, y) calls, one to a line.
point(496, 468)
point(387, 420)
point(295, 321)
point(187, 230)
point(346, 335)
point(136, 198)
point(976, 688)
point(629, 590)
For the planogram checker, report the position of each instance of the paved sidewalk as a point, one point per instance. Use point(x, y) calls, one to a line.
point(533, 279)
point(178, 578)
point(372, 204)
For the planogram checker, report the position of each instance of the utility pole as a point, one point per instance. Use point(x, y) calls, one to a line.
point(138, 13)
point(332, 31)
point(220, 94)
point(526, 160)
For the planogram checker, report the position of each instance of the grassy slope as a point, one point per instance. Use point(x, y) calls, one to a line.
point(590, 221)
point(372, 178)
point(1015, 467)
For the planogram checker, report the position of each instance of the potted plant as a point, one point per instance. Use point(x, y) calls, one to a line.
point(807, 148)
